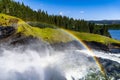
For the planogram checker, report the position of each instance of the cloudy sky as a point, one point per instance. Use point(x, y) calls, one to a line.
point(79, 9)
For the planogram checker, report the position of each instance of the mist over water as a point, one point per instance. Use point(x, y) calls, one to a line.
point(110, 56)
point(40, 61)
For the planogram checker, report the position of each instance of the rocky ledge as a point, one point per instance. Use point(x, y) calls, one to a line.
point(6, 31)
point(115, 48)
point(92, 45)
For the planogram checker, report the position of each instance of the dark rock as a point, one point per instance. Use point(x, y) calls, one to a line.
point(96, 46)
point(112, 68)
point(114, 44)
point(115, 50)
point(67, 46)
point(20, 39)
point(6, 31)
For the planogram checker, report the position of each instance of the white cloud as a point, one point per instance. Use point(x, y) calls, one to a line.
point(19, 1)
point(82, 12)
point(61, 13)
point(36, 9)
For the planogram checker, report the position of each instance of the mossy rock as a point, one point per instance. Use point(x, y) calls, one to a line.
point(49, 34)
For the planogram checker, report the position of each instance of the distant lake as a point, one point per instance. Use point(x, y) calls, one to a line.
point(115, 34)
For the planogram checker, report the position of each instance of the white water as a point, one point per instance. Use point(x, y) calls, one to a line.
point(41, 62)
point(110, 56)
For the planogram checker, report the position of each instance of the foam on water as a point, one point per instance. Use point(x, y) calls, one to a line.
point(44, 63)
point(110, 56)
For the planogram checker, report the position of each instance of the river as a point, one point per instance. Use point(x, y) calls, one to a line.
point(39, 61)
point(115, 34)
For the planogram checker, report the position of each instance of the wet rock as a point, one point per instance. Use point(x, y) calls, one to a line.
point(6, 31)
point(115, 50)
point(112, 68)
point(112, 48)
point(96, 46)
point(72, 45)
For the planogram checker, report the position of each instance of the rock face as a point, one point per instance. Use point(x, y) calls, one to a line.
point(6, 31)
point(112, 68)
point(67, 46)
point(103, 47)
point(96, 46)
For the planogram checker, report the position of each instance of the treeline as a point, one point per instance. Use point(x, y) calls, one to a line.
point(113, 26)
point(26, 13)
point(108, 22)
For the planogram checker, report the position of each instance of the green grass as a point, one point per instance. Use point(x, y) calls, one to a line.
point(95, 37)
point(41, 24)
point(19, 25)
point(49, 34)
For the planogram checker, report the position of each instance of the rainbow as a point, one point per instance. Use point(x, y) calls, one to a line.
point(100, 66)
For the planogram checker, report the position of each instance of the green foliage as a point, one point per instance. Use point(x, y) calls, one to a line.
point(52, 35)
point(113, 26)
point(42, 25)
point(46, 34)
point(94, 37)
point(100, 29)
point(41, 17)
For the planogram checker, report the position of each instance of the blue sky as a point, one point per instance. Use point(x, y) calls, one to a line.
point(79, 9)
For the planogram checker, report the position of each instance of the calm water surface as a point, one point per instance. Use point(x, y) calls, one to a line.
point(115, 34)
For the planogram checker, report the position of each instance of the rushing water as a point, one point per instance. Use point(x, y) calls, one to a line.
point(42, 62)
point(115, 34)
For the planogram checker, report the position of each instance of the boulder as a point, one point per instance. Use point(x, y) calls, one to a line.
point(6, 31)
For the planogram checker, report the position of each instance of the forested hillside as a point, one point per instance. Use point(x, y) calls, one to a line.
point(110, 24)
point(20, 10)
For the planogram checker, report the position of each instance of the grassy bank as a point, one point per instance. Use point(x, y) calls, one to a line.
point(95, 37)
point(49, 34)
